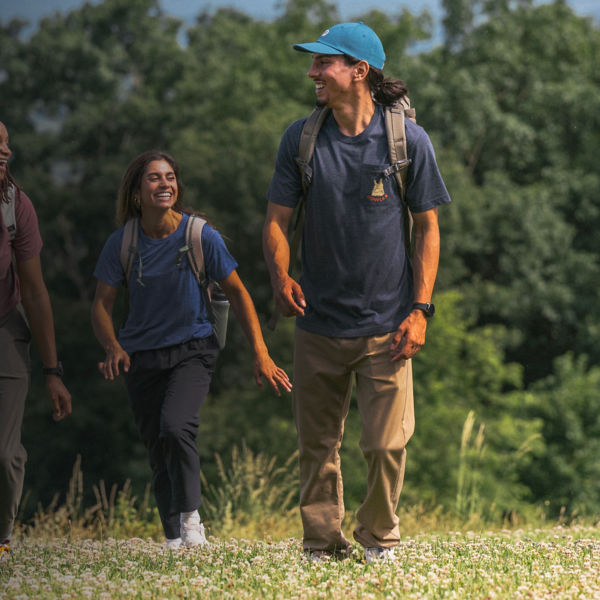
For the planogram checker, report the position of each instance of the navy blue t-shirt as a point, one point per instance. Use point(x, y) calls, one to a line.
point(356, 275)
point(169, 308)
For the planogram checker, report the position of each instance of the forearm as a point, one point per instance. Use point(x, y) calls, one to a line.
point(425, 261)
point(41, 321)
point(276, 250)
point(244, 310)
point(103, 326)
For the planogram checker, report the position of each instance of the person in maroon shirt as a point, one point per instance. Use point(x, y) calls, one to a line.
point(21, 287)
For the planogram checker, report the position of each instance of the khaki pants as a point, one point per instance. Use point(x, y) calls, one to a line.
point(324, 373)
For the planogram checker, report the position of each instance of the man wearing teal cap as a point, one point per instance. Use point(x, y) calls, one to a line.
point(362, 302)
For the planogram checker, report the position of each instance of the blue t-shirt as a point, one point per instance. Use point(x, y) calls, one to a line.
point(169, 308)
point(356, 275)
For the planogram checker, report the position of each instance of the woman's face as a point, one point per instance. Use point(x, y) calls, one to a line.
point(4, 151)
point(158, 189)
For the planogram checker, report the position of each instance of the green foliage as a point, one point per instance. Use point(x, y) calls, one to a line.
point(118, 513)
point(253, 496)
point(460, 370)
point(516, 101)
point(567, 475)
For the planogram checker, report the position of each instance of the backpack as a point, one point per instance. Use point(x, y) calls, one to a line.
point(8, 213)
point(216, 301)
point(395, 116)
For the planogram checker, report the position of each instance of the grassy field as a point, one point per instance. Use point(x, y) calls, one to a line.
point(558, 562)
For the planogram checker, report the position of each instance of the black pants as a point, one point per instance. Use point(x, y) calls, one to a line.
point(166, 389)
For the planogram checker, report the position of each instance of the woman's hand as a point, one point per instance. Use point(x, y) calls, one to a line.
point(276, 376)
point(115, 357)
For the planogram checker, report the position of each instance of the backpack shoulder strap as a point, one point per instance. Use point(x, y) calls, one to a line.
point(396, 133)
point(306, 147)
point(193, 247)
point(129, 246)
point(8, 213)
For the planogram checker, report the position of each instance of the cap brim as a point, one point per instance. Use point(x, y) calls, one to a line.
point(317, 48)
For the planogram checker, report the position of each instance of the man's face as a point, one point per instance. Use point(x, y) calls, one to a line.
point(333, 79)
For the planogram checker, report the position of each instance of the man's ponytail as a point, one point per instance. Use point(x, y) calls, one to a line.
point(385, 90)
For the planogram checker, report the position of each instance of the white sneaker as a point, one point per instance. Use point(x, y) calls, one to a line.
point(192, 531)
point(173, 544)
point(379, 553)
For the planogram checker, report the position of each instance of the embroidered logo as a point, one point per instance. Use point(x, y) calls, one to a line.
point(325, 33)
point(378, 193)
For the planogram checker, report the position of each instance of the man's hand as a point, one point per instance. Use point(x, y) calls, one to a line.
point(410, 336)
point(289, 297)
point(59, 396)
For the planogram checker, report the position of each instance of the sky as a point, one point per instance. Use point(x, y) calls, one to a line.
point(34, 10)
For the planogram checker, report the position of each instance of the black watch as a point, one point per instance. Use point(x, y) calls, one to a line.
point(57, 370)
point(427, 307)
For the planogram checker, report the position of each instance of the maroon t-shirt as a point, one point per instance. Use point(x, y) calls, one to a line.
point(26, 244)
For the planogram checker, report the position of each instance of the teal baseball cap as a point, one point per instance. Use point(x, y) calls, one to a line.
point(354, 39)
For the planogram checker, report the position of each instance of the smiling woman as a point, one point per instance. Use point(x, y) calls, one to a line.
point(167, 348)
point(159, 186)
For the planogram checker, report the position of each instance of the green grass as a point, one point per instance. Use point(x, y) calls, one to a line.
point(113, 549)
point(559, 562)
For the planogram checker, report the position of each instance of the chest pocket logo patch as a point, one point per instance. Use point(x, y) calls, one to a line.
point(378, 193)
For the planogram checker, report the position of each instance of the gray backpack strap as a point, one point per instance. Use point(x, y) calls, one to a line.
point(193, 248)
point(8, 213)
point(306, 147)
point(396, 134)
point(216, 301)
point(129, 247)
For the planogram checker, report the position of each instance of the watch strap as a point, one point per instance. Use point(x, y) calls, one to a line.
point(427, 307)
point(57, 370)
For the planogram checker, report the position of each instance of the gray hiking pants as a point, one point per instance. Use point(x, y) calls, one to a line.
point(14, 384)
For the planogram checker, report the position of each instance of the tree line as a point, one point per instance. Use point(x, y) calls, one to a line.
point(511, 100)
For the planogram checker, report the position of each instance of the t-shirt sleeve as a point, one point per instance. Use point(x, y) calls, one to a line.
point(286, 184)
point(218, 261)
point(425, 188)
point(108, 268)
point(28, 241)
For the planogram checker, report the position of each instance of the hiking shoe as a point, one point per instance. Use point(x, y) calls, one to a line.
point(4, 549)
point(376, 553)
point(173, 544)
point(192, 530)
